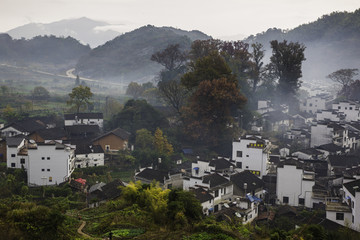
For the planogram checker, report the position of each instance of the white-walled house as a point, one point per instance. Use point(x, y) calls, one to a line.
point(294, 184)
point(329, 115)
point(89, 156)
point(206, 199)
point(350, 110)
point(251, 153)
point(49, 163)
point(15, 157)
point(330, 132)
point(84, 119)
point(346, 211)
point(313, 104)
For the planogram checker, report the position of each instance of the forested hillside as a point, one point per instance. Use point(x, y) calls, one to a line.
point(332, 42)
point(41, 49)
point(127, 57)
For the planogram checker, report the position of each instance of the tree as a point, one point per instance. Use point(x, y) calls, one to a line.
point(40, 93)
point(173, 93)
point(10, 114)
point(80, 97)
point(287, 59)
point(209, 67)
point(77, 81)
point(209, 115)
point(135, 90)
point(172, 58)
point(257, 66)
point(161, 144)
point(345, 77)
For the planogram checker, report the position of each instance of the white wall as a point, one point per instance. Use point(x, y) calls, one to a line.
point(320, 134)
point(350, 110)
point(290, 184)
point(254, 159)
point(89, 160)
point(320, 116)
point(48, 163)
point(312, 105)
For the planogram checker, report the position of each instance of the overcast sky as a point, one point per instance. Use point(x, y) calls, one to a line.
point(213, 17)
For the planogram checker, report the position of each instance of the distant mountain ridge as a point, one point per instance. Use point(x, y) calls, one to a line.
point(127, 57)
point(84, 29)
point(332, 42)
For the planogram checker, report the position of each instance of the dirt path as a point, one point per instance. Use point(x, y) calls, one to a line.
point(83, 223)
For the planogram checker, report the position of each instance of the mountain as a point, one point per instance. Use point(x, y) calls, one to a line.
point(46, 50)
point(87, 31)
point(332, 42)
point(127, 57)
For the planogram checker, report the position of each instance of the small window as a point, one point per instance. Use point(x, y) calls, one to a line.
point(247, 155)
point(350, 108)
point(48, 158)
point(107, 147)
point(239, 165)
point(13, 165)
point(339, 107)
point(224, 191)
point(339, 216)
point(22, 160)
point(43, 158)
point(48, 170)
point(216, 193)
point(86, 155)
point(285, 199)
point(78, 166)
point(197, 171)
point(50, 179)
point(352, 218)
point(95, 165)
point(43, 169)
point(302, 201)
point(13, 155)
point(238, 153)
point(310, 104)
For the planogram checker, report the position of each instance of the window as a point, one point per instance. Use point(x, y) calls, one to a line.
point(48, 158)
point(285, 199)
point(224, 191)
point(302, 201)
point(78, 166)
point(13, 165)
point(310, 104)
point(339, 216)
point(43, 169)
point(352, 204)
point(43, 158)
point(13, 155)
point(238, 153)
point(22, 160)
point(50, 179)
point(48, 170)
point(197, 171)
point(339, 107)
point(239, 164)
point(86, 155)
point(95, 165)
point(352, 218)
point(107, 147)
point(216, 193)
point(247, 155)
point(350, 108)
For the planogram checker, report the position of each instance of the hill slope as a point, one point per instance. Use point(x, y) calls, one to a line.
point(127, 57)
point(332, 42)
point(46, 50)
point(87, 31)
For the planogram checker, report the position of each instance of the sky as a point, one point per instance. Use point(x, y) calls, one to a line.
point(217, 18)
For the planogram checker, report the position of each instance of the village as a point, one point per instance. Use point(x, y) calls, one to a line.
point(320, 172)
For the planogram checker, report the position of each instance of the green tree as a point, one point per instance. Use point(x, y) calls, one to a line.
point(80, 97)
point(209, 115)
point(135, 90)
point(345, 77)
point(172, 58)
point(9, 114)
point(287, 60)
point(209, 67)
point(257, 56)
point(40, 93)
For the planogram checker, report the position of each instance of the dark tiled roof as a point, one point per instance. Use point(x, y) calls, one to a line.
point(215, 180)
point(27, 125)
point(82, 129)
point(51, 133)
point(71, 116)
point(121, 133)
point(112, 189)
point(202, 195)
point(274, 159)
point(151, 174)
point(14, 141)
point(220, 164)
point(87, 149)
point(252, 181)
point(310, 151)
point(353, 186)
point(330, 147)
point(343, 160)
